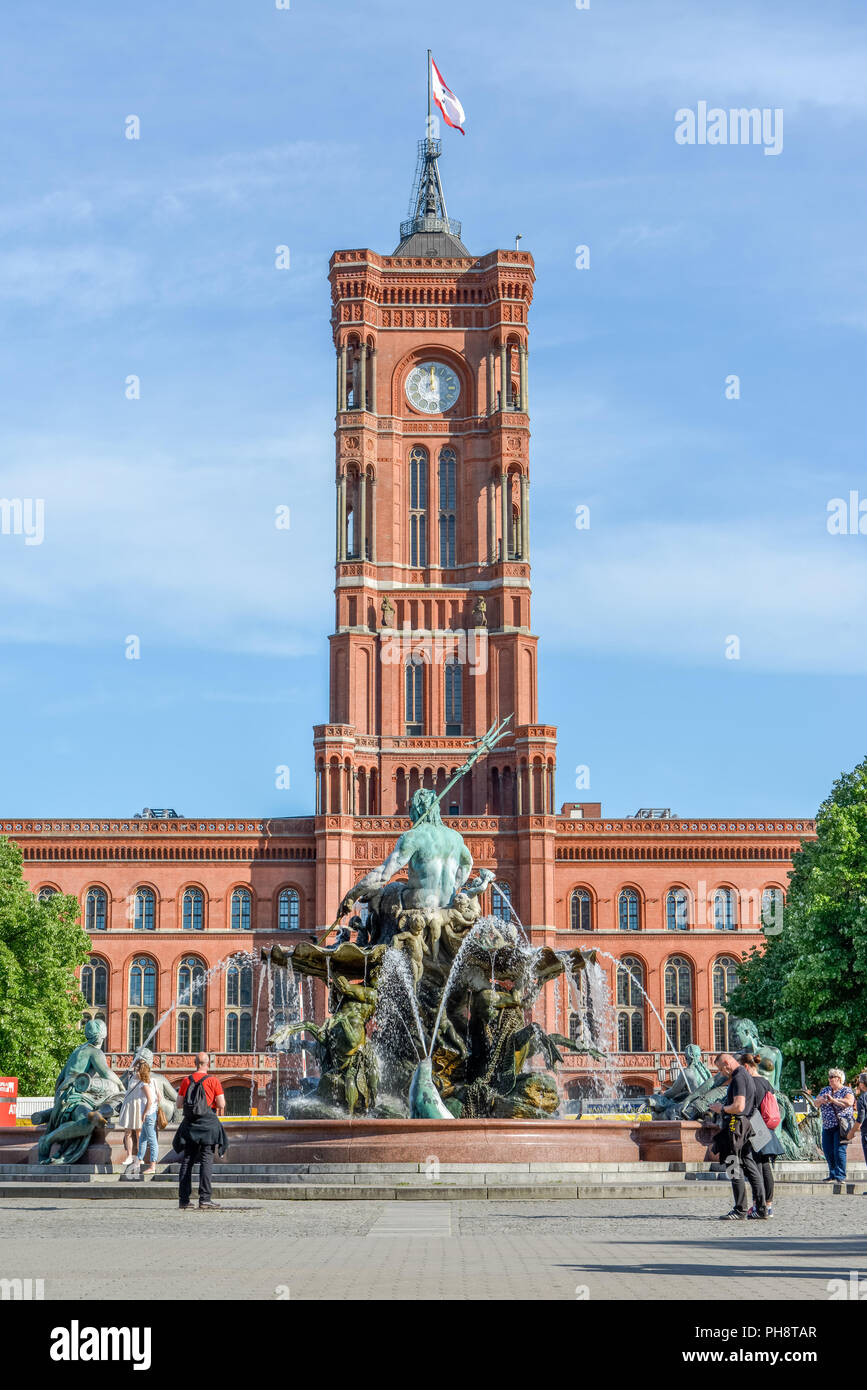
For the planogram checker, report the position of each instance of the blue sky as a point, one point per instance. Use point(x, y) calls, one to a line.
point(155, 257)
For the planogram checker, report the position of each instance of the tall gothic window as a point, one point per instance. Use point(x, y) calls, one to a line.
point(94, 987)
point(678, 1002)
point(448, 468)
point(145, 909)
point(772, 910)
point(194, 909)
point(191, 1006)
point(414, 694)
point(724, 909)
point(288, 910)
point(454, 692)
point(142, 1000)
point(677, 909)
point(580, 911)
point(242, 909)
point(630, 1005)
point(628, 910)
point(239, 1005)
point(418, 507)
point(95, 909)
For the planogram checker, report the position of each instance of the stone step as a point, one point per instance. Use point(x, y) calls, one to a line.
point(437, 1191)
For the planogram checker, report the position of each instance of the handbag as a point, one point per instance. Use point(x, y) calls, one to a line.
point(847, 1130)
point(760, 1135)
point(162, 1122)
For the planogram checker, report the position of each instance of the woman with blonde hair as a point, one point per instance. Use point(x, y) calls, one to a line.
point(148, 1136)
point(130, 1117)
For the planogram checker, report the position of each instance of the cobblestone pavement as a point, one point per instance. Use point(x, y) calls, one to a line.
point(432, 1250)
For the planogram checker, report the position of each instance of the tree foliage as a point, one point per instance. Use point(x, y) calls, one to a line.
point(807, 990)
point(41, 945)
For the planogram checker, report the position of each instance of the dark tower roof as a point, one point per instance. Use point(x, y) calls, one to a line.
point(429, 231)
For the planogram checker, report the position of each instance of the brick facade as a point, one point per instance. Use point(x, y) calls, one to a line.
point(429, 574)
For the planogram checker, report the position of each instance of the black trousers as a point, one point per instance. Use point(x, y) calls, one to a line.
point(750, 1167)
point(766, 1167)
point(203, 1154)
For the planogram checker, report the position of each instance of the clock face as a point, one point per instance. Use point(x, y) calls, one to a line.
point(432, 387)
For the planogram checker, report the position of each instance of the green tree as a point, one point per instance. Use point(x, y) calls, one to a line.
point(41, 945)
point(807, 990)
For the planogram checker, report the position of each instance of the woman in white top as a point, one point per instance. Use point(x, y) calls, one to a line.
point(130, 1117)
point(148, 1136)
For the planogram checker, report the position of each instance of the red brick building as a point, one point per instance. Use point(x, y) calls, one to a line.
point(433, 642)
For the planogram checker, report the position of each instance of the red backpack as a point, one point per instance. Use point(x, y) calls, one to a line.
point(769, 1110)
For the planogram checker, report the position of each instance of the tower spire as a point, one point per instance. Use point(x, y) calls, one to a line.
point(428, 215)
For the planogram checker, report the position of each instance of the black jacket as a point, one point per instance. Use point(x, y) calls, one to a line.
point(206, 1130)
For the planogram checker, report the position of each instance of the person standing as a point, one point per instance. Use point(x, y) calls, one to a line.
point(148, 1143)
point(861, 1110)
point(836, 1103)
point(732, 1144)
point(200, 1133)
point(767, 1155)
point(130, 1117)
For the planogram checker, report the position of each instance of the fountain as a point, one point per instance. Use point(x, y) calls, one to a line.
point(430, 1008)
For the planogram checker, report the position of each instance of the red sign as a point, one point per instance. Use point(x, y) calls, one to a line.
point(8, 1087)
point(8, 1114)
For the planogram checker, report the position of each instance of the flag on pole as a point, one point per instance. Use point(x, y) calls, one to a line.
point(453, 112)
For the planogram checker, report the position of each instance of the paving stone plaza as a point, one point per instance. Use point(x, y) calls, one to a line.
point(479, 1250)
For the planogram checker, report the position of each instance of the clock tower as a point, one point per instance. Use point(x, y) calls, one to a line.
point(433, 638)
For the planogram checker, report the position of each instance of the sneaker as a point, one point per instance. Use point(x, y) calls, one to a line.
point(128, 1160)
point(734, 1215)
point(753, 1215)
point(770, 1213)
point(146, 1172)
point(209, 1206)
point(186, 1207)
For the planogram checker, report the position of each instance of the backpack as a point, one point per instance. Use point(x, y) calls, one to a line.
point(195, 1101)
point(770, 1110)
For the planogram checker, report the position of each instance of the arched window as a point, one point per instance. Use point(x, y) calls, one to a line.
point(678, 1002)
point(580, 910)
point(418, 507)
point(94, 987)
point(45, 894)
point(448, 468)
point(239, 985)
point(630, 1005)
point(288, 910)
point(677, 909)
point(725, 977)
point(454, 691)
point(501, 899)
point(95, 909)
point(191, 1006)
point(194, 909)
point(242, 909)
point(145, 909)
point(724, 917)
point(628, 910)
point(772, 910)
point(142, 1001)
point(414, 691)
point(239, 1003)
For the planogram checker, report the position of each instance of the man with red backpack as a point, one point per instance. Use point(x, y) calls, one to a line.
point(200, 1132)
point(769, 1110)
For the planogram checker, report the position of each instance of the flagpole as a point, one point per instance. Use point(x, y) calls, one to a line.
point(429, 111)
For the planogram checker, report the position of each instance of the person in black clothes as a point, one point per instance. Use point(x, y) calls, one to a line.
point(861, 1110)
point(767, 1156)
point(732, 1144)
point(200, 1133)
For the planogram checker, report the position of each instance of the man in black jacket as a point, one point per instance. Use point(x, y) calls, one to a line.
point(732, 1144)
point(200, 1133)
